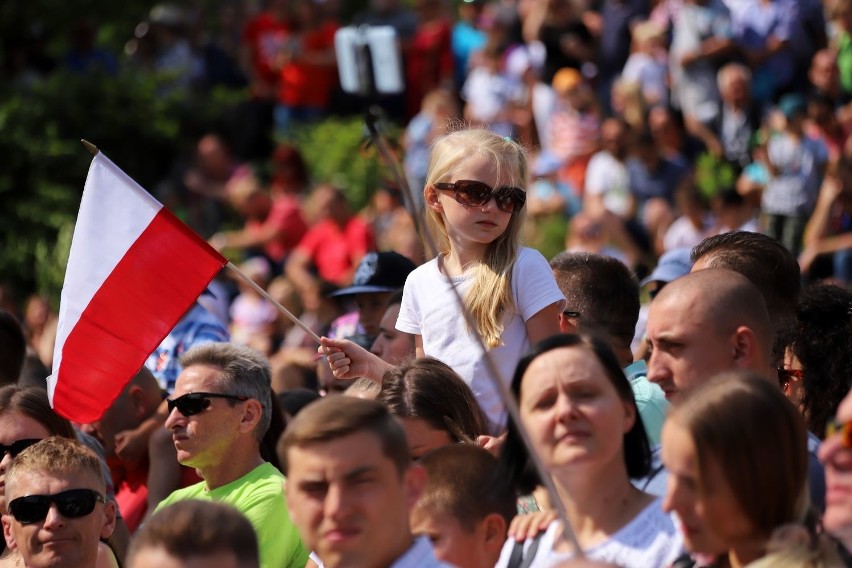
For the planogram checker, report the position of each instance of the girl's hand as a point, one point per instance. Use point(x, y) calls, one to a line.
point(524, 527)
point(347, 360)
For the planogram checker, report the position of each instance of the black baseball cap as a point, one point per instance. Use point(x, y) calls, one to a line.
point(379, 272)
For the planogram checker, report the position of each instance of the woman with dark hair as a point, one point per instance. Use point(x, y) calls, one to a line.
point(26, 418)
point(736, 452)
point(578, 409)
point(817, 369)
point(435, 406)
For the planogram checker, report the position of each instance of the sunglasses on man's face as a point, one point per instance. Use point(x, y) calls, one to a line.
point(476, 194)
point(196, 402)
point(17, 447)
point(71, 504)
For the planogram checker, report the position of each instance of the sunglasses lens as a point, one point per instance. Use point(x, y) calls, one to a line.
point(472, 193)
point(189, 404)
point(31, 509)
point(17, 447)
point(509, 199)
point(76, 503)
point(71, 504)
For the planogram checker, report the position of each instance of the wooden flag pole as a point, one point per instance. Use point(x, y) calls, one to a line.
point(90, 147)
point(275, 302)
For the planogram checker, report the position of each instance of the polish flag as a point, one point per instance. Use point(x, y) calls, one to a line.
point(133, 271)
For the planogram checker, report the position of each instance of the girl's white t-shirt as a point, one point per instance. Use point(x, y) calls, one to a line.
point(430, 309)
point(650, 540)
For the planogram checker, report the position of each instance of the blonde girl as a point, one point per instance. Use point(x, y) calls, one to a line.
point(474, 195)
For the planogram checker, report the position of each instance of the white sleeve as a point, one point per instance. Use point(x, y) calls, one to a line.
point(533, 284)
point(408, 320)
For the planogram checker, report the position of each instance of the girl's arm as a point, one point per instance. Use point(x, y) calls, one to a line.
point(348, 360)
point(544, 324)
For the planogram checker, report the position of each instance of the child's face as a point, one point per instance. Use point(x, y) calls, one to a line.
point(371, 308)
point(470, 227)
point(451, 542)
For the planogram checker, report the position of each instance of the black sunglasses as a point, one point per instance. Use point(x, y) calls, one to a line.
point(194, 402)
point(476, 194)
point(17, 447)
point(71, 504)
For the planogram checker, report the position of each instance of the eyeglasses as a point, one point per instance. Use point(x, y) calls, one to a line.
point(570, 314)
point(844, 428)
point(786, 376)
point(476, 194)
point(17, 447)
point(71, 504)
point(193, 403)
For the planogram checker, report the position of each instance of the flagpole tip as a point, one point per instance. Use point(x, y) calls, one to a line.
point(90, 147)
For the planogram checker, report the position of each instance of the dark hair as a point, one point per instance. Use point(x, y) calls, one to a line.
point(603, 290)
point(33, 403)
point(13, 347)
point(514, 459)
point(463, 481)
point(395, 298)
point(725, 416)
point(290, 156)
point(763, 260)
point(192, 528)
point(430, 390)
point(821, 338)
point(339, 416)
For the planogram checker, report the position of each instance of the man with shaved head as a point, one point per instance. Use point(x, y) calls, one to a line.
point(703, 323)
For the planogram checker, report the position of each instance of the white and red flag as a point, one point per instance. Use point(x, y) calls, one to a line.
point(133, 271)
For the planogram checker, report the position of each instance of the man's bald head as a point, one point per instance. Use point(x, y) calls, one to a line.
point(704, 323)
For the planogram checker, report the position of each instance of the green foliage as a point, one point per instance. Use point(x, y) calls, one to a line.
point(333, 152)
point(713, 174)
point(45, 165)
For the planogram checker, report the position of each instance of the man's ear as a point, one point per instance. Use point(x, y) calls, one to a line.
point(744, 345)
point(415, 482)
point(109, 519)
point(251, 415)
point(137, 402)
point(7, 532)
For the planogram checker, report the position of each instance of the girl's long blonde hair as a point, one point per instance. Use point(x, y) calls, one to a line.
point(490, 295)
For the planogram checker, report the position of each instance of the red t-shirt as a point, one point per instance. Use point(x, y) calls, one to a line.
point(131, 492)
point(306, 84)
point(335, 251)
point(286, 214)
point(266, 37)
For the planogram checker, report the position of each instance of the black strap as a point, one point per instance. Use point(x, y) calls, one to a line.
point(520, 560)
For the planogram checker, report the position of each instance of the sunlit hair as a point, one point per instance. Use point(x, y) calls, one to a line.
point(56, 455)
point(490, 295)
point(756, 438)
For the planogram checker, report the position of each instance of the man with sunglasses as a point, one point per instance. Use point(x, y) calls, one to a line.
point(219, 414)
point(57, 510)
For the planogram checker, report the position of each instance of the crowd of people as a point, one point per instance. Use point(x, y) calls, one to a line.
point(681, 370)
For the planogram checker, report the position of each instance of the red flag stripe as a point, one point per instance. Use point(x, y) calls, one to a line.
point(154, 283)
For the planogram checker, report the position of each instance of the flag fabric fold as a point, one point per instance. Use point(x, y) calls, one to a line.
point(133, 271)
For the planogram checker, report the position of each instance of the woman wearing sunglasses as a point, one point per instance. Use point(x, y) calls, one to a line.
point(735, 449)
point(474, 195)
point(26, 418)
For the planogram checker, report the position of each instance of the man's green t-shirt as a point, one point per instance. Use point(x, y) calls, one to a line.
point(259, 495)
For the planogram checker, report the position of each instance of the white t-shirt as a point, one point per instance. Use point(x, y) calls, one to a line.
point(429, 309)
point(606, 175)
point(649, 540)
